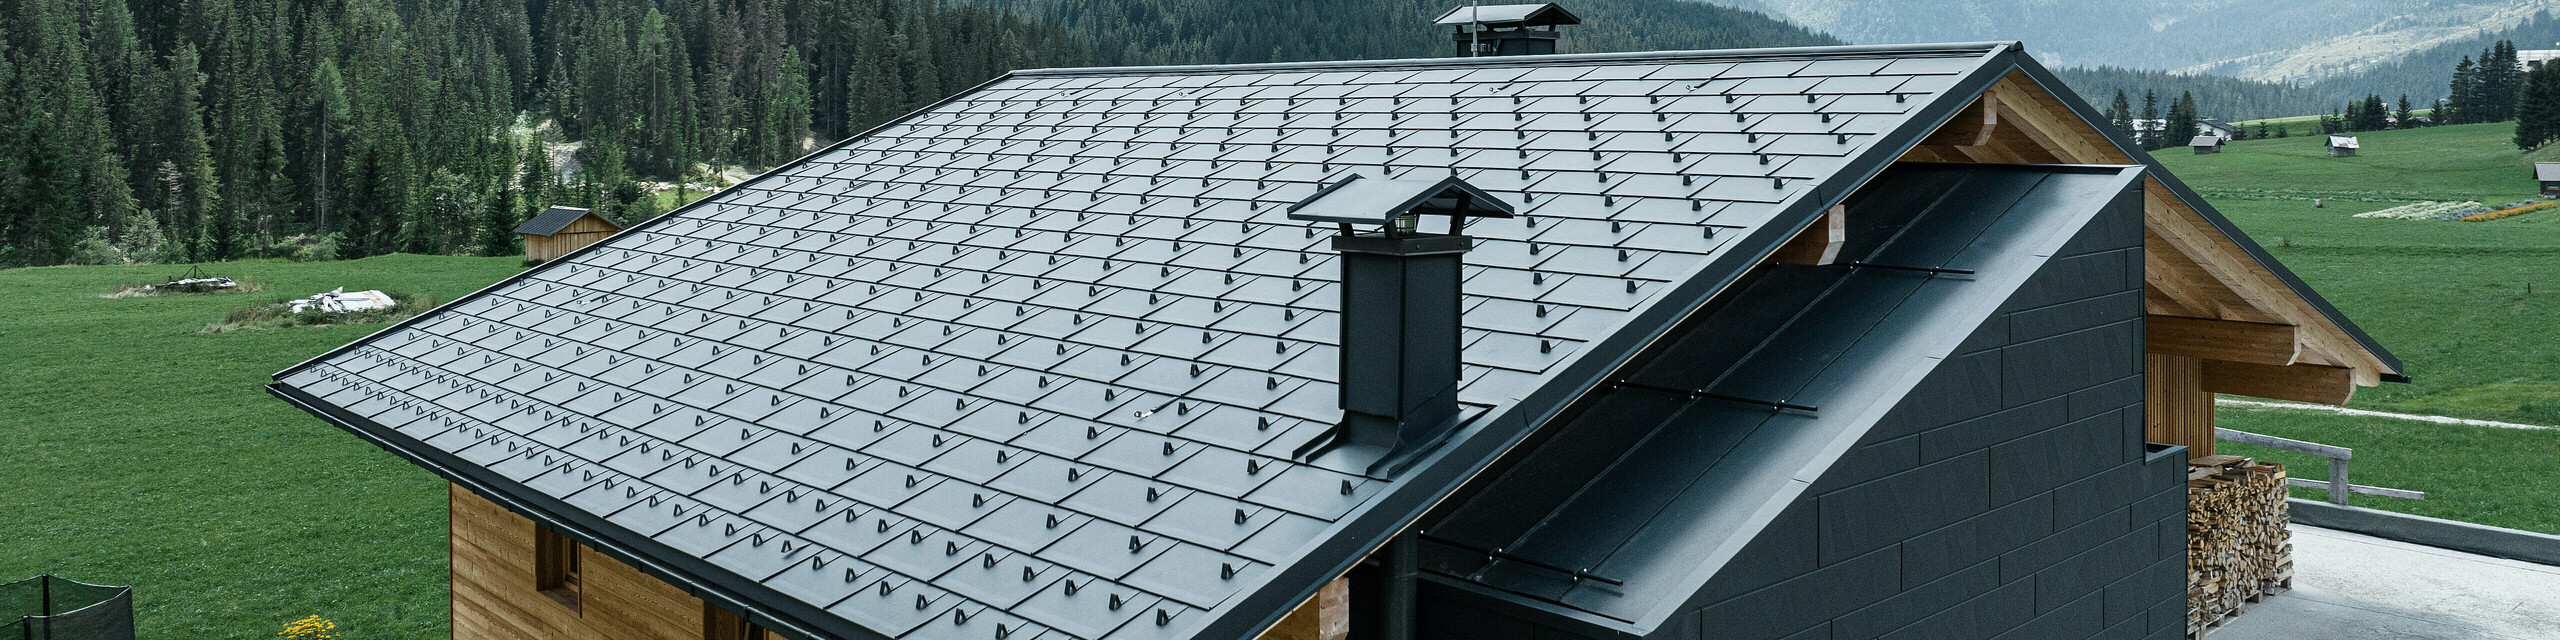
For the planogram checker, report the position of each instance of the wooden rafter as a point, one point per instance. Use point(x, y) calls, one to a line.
point(2252, 342)
point(2194, 271)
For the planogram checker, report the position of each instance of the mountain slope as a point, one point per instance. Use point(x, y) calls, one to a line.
point(1218, 31)
point(2251, 39)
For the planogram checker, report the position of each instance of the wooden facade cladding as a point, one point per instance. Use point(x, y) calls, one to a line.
point(586, 230)
point(495, 595)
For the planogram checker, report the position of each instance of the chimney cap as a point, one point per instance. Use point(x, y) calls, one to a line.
point(1355, 200)
point(1510, 15)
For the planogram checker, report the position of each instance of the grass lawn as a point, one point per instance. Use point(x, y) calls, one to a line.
point(2471, 474)
point(142, 452)
point(2449, 298)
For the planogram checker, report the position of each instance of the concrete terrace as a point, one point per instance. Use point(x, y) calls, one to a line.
point(2349, 586)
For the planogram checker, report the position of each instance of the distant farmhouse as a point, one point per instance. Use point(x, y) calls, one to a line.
point(2215, 128)
point(2526, 58)
point(1674, 345)
point(560, 230)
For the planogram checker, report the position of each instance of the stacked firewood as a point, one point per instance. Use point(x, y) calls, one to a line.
point(2238, 552)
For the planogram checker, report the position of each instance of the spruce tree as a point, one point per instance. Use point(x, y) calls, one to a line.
point(2538, 113)
point(2150, 123)
point(2120, 114)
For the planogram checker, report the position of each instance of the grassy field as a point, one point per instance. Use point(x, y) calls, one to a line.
point(142, 452)
point(2470, 308)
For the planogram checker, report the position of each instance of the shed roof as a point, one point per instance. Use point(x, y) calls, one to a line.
point(1510, 15)
point(1049, 344)
point(2546, 171)
point(2344, 142)
point(2205, 141)
point(554, 219)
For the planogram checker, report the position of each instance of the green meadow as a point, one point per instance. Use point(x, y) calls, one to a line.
point(142, 451)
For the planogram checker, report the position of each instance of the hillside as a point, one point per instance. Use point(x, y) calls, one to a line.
point(2299, 40)
point(1214, 31)
point(2448, 297)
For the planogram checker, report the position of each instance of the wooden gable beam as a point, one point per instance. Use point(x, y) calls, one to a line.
point(1820, 243)
point(2252, 342)
point(2043, 118)
point(2301, 383)
point(1971, 127)
point(2193, 270)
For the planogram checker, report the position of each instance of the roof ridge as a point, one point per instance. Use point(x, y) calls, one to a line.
point(1951, 49)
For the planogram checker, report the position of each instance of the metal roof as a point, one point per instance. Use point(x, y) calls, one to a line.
point(1509, 15)
point(2205, 141)
point(2546, 171)
point(2344, 142)
point(1633, 504)
point(1034, 359)
point(554, 219)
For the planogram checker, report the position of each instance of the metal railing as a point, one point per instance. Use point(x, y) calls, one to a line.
point(2337, 484)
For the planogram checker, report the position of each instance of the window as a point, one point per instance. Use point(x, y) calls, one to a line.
point(720, 624)
point(555, 566)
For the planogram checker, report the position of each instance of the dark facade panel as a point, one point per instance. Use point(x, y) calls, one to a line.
point(2069, 541)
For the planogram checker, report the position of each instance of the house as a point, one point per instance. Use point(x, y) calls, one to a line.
point(1702, 344)
point(2548, 173)
point(2214, 128)
point(561, 230)
point(2343, 146)
point(1507, 29)
point(2527, 59)
point(2206, 144)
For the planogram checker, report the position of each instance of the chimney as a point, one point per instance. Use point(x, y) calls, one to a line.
point(1507, 29)
point(1401, 309)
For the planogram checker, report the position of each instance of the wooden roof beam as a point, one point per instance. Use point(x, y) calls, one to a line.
point(2300, 383)
point(2251, 342)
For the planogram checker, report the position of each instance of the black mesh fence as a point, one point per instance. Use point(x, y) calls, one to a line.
point(49, 608)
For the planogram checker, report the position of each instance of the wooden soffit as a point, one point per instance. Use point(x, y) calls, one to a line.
point(2200, 279)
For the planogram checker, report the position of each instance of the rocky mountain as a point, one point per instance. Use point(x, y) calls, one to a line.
point(2277, 40)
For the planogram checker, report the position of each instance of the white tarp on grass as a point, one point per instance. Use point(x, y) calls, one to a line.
point(339, 301)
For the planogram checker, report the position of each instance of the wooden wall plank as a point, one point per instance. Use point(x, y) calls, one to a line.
point(2176, 408)
point(494, 596)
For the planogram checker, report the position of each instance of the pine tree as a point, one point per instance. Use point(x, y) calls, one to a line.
point(2461, 95)
point(2150, 124)
point(2405, 118)
point(2538, 113)
point(2120, 114)
point(2181, 124)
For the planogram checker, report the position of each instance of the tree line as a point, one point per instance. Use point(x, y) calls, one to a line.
point(195, 130)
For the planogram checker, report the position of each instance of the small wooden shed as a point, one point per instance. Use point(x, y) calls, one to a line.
point(560, 230)
point(2206, 144)
point(2548, 173)
point(2343, 146)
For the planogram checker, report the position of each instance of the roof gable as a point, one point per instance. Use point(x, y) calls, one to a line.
point(1076, 294)
point(554, 219)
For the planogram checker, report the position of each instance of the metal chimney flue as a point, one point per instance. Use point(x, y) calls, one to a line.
point(1401, 314)
point(1507, 29)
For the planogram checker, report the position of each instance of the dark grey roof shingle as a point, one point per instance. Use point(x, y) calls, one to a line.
point(1077, 294)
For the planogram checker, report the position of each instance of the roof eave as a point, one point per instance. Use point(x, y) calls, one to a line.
point(2090, 114)
point(755, 602)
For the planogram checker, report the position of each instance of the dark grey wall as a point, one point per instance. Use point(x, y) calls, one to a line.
point(2008, 497)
